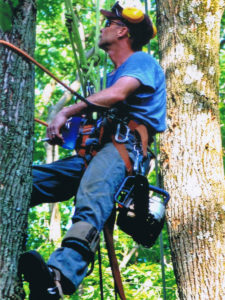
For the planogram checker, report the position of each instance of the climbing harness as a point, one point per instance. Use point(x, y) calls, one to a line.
point(140, 216)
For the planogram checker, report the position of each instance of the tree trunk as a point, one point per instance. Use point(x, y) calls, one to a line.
point(16, 142)
point(55, 224)
point(191, 151)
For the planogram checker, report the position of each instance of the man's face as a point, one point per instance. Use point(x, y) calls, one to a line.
point(109, 33)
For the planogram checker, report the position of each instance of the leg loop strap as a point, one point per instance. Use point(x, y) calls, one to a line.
point(82, 232)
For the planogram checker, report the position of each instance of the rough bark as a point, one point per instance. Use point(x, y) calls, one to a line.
point(16, 143)
point(191, 152)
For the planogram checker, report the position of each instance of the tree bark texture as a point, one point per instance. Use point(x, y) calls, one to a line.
point(191, 151)
point(16, 143)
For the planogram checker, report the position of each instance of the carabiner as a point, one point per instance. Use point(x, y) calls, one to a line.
point(119, 136)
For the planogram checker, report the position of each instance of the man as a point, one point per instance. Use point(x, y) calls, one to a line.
point(136, 87)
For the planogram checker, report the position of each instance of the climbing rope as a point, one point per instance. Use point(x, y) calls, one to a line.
point(86, 68)
point(158, 185)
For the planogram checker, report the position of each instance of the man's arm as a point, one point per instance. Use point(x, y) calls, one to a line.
point(123, 87)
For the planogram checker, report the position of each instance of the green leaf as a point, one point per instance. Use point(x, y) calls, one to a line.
point(15, 3)
point(5, 16)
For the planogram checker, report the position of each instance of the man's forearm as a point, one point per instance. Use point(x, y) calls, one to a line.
point(102, 98)
point(105, 98)
point(75, 109)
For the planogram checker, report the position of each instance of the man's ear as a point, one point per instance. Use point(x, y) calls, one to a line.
point(123, 32)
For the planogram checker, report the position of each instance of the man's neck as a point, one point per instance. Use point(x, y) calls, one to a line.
point(119, 55)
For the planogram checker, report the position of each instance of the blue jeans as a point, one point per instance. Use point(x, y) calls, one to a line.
point(95, 192)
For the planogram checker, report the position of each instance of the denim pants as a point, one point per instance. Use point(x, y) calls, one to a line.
point(95, 192)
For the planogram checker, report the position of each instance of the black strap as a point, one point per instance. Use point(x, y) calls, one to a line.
point(100, 272)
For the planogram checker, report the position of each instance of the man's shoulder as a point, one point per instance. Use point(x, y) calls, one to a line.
point(141, 57)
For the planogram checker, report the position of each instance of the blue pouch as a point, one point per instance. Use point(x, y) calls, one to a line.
point(70, 132)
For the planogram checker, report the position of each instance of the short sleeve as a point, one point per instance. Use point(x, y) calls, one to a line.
point(143, 67)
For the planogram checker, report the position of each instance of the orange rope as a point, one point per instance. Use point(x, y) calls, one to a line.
point(41, 122)
point(7, 44)
point(23, 53)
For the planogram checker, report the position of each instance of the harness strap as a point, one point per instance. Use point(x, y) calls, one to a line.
point(124, 154)
point(108, 233)
point(138, 129)
point(86, 129)
point(143, 132)
point(57, 280)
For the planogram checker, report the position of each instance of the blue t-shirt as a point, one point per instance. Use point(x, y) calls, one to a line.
point(148, 103)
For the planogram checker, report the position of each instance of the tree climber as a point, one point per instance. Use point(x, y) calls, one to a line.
point(135, 94)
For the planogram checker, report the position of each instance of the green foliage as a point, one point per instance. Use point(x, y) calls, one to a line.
point(5, 16)
point(6, 13)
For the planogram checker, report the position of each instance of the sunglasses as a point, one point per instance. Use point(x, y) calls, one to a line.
point(109, 22)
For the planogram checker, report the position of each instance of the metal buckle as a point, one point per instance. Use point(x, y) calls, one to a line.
point(119, 136)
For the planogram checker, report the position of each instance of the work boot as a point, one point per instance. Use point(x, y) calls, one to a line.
point(44, 282)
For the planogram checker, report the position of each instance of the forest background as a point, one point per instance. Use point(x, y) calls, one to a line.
point(141, 267)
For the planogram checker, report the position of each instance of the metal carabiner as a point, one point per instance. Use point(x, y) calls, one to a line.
point(119, 136)
point(139, 159)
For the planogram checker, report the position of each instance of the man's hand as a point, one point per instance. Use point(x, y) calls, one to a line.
point(53, 130)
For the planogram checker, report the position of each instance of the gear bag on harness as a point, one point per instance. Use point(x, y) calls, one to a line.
point(141, 216)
